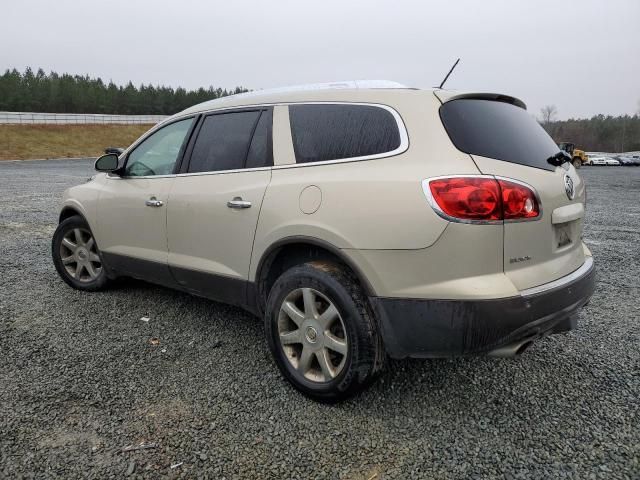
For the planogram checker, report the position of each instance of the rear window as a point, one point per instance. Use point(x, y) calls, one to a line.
point(497, 130)
point(331, 132)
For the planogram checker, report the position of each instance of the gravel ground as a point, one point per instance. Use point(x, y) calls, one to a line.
point(80, 378)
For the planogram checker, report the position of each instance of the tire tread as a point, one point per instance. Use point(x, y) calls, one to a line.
point(371, 354)
point(74, 221)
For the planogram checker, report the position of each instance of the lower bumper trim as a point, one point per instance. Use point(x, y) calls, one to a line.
point(444, 328)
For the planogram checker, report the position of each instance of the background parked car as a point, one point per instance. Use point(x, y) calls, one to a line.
point(613, 159)
point(596, 160)
point(628, 160)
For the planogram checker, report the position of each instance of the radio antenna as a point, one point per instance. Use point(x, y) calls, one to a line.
point(447, 77)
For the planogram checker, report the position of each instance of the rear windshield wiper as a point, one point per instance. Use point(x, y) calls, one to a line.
point(559, 158)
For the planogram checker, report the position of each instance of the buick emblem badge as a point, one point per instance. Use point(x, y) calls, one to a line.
point(568, 187)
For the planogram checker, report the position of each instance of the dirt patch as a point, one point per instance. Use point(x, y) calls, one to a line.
point(22, 142)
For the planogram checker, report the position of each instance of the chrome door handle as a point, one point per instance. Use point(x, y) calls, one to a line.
point(153, 202)
point(237, 202)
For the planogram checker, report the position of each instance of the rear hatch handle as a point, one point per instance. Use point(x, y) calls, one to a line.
point(567, 213)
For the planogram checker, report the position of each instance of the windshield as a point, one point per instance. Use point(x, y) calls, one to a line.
point(497, 130)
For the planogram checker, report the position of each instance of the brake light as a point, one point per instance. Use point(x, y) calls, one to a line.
point(468, 198)
point(482, 199)
point(518, 201)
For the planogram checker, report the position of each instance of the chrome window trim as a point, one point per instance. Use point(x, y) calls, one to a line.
point(194, 174)
point(402, 129)
point(560, 282)
point(432, 201)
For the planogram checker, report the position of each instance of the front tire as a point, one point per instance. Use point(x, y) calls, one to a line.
point(577, 163)
point(321, 332)
point(76, 255)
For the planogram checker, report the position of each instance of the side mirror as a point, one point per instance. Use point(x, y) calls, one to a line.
point(116, 150)
point(107, 163)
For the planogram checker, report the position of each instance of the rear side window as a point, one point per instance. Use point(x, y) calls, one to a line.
point(497, 130)
point(331, 132)
point(223, 142)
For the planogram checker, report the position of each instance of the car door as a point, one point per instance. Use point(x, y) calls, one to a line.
point(215, 202)
point(132, 207)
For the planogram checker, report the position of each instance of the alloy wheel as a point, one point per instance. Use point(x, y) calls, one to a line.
point(312, 335)
point(79, 255)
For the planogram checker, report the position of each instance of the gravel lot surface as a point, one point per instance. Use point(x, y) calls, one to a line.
point(80, 378)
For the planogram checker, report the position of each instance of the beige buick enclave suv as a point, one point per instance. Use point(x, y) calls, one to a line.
point(361, 220)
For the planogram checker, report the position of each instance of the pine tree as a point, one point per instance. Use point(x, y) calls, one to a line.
point(41, 92)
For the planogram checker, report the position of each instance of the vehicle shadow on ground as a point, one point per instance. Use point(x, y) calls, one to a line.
point(475, 381)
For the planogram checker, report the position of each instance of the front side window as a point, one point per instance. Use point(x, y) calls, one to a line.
point(335, 131)
point(223, 142)
point(157, 154)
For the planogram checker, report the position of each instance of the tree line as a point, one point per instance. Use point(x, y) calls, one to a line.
point(64, 93)
point(599, 133)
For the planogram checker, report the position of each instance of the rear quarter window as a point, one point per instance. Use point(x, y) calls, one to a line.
point(497, 130)
point(333, 131)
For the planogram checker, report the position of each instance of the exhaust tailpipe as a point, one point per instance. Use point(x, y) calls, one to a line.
point(512, 349)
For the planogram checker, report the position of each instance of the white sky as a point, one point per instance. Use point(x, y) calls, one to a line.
point(582, 56)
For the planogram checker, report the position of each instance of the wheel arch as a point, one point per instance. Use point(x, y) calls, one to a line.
point(68, 212)
point(291, 251)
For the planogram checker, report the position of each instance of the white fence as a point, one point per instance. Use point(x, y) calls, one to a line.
point(65, 118)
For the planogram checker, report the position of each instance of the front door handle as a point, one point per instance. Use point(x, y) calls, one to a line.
point(237, 202)
point(154, 202)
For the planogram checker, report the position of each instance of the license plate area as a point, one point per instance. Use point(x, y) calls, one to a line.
point(566, 234)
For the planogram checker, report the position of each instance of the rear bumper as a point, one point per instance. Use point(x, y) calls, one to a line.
point(445, 328)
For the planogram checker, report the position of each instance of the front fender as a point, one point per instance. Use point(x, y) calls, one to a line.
point(71, 207)
point(83, 200)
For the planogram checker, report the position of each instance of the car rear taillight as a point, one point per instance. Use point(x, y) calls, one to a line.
point(467, 198)
point(518, 201)
point(481, 199)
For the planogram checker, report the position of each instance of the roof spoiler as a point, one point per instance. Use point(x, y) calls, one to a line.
point(445, 96)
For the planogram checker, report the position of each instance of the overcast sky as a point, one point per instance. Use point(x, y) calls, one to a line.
point(582, 56)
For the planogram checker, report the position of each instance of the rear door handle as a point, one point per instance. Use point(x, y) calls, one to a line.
point(237, 202)
point(154, 202)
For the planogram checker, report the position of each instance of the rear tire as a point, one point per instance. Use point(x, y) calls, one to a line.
point(322, 333)
point(76, 255)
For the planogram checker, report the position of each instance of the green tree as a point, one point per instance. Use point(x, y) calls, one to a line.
point(83, 94)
